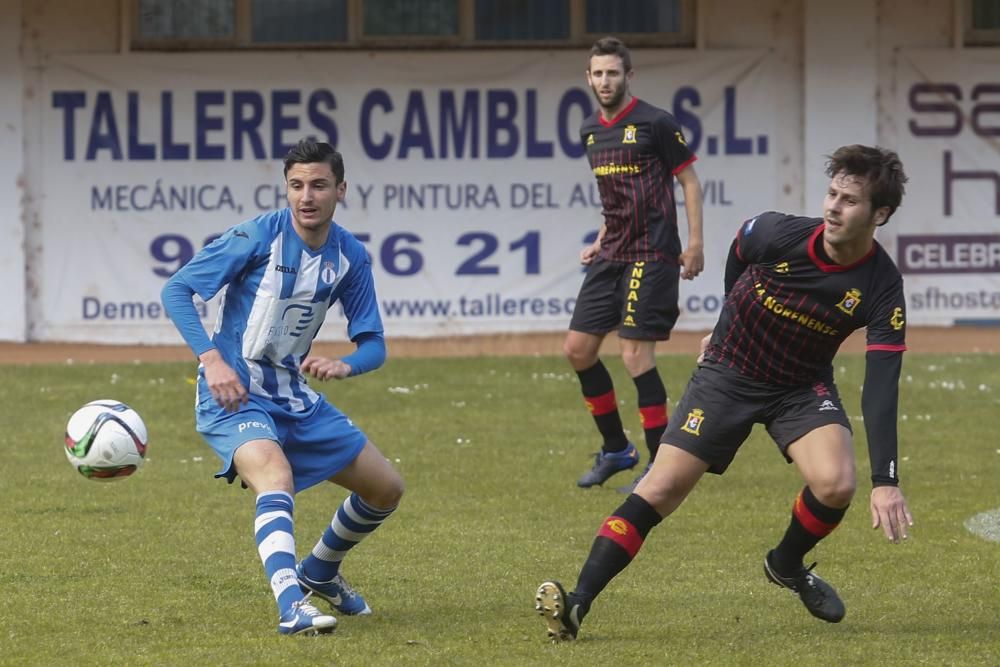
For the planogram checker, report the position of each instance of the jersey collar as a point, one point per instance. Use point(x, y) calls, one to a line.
point(621, 114)
point(819, 259)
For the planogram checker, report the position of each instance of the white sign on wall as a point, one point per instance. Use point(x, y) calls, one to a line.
point(946, 236)
point(467, 178)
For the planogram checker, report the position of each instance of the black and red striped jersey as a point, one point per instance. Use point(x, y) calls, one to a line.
point(635, 157)
point(786, 315)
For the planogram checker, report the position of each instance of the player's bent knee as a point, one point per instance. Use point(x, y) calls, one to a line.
point(388, 492)
point(580, 359)
point(835, 491)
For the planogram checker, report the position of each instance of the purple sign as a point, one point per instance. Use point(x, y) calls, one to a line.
point(972, 253)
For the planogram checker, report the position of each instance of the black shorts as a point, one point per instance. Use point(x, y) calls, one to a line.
point(719, 408)
point(637, 298)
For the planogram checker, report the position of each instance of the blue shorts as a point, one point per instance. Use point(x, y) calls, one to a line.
point(318, 443)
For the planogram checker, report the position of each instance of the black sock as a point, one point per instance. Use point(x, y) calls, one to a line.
point(615, 546)
point(652, 408)
point(811, 521)
point(599, 394)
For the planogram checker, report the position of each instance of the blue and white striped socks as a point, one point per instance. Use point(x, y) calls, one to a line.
point(276, 546)
point(353, 521)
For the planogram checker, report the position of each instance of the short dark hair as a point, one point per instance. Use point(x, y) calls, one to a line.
point(880, 167)
point(611, 46)
point(308, 151)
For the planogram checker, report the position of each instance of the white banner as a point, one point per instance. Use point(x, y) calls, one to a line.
point(946, 236)
point(473, 196)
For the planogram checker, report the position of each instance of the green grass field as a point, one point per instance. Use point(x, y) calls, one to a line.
point(161, 568)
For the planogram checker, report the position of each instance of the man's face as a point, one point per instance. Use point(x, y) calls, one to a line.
point(313, 193)
point(847, 212)
point(608, 79)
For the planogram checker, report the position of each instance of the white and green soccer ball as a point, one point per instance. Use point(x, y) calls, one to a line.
point(106, 440)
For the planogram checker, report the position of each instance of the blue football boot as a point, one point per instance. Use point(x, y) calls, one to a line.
point(305, 619)
point(337, 592)
point(607, 464)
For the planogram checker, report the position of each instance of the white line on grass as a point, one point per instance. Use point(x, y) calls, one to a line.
point(986, 525)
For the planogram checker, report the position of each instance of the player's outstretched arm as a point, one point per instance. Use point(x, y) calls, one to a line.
point(879, 404)
point(889, 510)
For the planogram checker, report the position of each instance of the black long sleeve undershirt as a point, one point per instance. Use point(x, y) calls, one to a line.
point(734, 268)
point(879, 404)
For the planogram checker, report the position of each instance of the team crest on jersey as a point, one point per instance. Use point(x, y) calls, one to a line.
point(897, 321)
point(693, 422)
point(781, 268)
point(630, 134)
point(590, 140)
point(850, 301)
point(327, 273)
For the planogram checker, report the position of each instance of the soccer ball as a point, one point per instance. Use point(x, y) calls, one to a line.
point(106, 440)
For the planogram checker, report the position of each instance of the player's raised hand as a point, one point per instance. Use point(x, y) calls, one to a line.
point(322, 368)
point(889, 510)
point(225, 385)
point(692, 261)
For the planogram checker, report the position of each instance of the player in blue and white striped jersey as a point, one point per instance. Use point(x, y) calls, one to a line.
point(282, 271)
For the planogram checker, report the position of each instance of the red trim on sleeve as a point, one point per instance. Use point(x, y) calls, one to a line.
point(621, 114)
point(886, 348)
point(684, 165)
point(623, 533)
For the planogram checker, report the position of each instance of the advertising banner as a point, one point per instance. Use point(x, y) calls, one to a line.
point(466, 176)
point(946, 237)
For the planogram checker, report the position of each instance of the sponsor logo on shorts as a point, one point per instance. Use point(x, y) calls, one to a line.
point(850, 301)
point(632, 298)
point(693, 422)
point(828, 405)
point(254, 424)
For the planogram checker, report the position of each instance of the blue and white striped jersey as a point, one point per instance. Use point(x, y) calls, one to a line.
point(278, 293)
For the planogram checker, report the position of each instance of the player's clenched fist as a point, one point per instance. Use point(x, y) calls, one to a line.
point(326, 369)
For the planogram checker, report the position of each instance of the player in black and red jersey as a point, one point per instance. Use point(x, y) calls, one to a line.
point(635, 151)
point(795, 289)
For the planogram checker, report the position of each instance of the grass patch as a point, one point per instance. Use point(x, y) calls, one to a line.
point(161, 568)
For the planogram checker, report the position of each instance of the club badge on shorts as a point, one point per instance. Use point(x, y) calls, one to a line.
point(693, 422)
